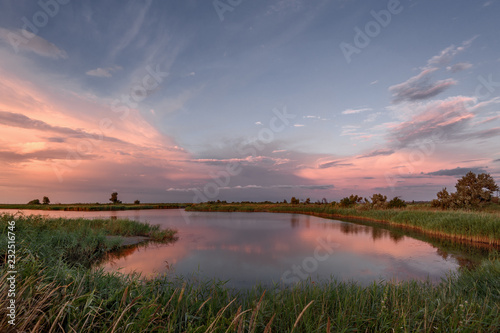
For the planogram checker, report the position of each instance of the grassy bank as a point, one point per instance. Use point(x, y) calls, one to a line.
point(74, 241)
point(57, 293)
point(94, 207)
point(473, 226)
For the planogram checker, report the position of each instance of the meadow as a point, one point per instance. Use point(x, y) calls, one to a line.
point(58, 290)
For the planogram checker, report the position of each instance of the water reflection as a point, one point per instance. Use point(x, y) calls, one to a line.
point(249, 247)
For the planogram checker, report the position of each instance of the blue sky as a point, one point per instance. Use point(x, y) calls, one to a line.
point(397, 97)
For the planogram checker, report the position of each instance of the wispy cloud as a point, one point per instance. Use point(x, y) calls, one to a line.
point(419, 87)
point(447, 55)
point(27, 41)
point(42, 155)
point(247, 187)
point(456, 172)
point(22, 121)
point(265, 160)
point(335, 163)
point(378, 152)
point(458, 67)
point(444, 117)
point(133, 28)
point(354, 111)
point(103, 72)
point(372, 117)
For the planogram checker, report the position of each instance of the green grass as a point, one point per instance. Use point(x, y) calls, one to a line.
point(74, 241)
point(476, 226)
point(57, 293)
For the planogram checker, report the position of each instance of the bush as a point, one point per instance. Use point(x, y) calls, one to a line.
point(443, 201)
point(137, 202)
point(396, 202)
point(379, 201)
point(34, 202)
point(350, 201)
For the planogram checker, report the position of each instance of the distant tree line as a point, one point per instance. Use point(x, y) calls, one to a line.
point(113, 199)
point(378, 201)
point(45, 201)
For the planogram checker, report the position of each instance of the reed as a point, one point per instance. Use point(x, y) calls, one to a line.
point(473, 226)
point(59, 295)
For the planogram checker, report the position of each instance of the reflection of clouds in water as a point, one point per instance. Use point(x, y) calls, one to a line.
point(249, 246)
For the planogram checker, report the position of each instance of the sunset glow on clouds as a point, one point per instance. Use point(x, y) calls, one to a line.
point(164, 102)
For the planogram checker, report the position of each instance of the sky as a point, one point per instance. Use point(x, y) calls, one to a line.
point(238, 100)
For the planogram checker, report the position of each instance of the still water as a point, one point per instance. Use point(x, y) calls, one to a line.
point(245, 248)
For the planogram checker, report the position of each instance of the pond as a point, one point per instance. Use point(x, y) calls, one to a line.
point(247, 248)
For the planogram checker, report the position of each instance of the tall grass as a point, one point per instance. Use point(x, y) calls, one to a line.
point(473, 226)
point(74, 241)
point(56, 293)
point(64, 299)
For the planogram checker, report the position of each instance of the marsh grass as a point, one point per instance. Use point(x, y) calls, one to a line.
point(74, 241)
point(67, 299)
point(475, 226)
point(57, 293)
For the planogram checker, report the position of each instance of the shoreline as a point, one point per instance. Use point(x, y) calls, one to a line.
point(94, 207)
point(471, 239)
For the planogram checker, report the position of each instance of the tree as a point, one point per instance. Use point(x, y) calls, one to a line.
point(350, 201)
point(46, 200)
point(114, 198)
point(308, 201)
point(379, 200)
point(443, 201)
point(137, 202)
point(471, 191)
point(396, 202)
point(294, 201)
point(34, 202)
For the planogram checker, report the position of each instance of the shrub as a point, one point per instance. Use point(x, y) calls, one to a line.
point(34, 202)
point(443, 201)
point(379, 201)
point(396, 202)
point(350, 201)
